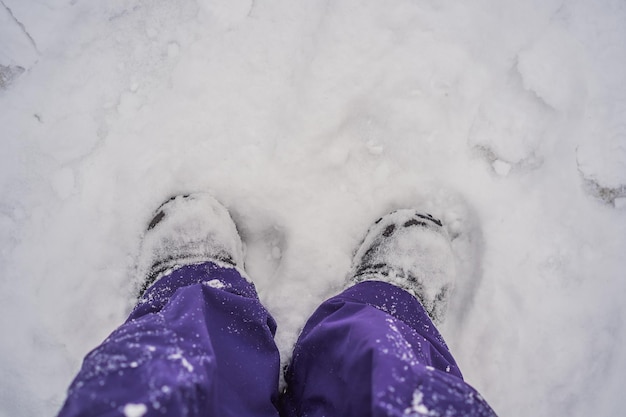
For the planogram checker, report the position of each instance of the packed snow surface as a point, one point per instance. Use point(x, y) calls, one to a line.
point(309, 120)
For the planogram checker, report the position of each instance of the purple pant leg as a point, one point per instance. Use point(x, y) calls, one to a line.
point(201, 345)
point(373, 351)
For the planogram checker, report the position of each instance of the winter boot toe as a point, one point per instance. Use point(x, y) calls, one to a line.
point(188, 229)
point(412, 251)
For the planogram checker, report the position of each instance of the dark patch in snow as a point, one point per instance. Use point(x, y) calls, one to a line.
point(8, 74)
point(607, 195)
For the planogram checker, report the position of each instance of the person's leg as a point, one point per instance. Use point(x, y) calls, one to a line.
point(373, 350)
point(199, 342)
point(200, 345)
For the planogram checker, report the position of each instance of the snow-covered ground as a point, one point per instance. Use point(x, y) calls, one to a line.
point(308, 120)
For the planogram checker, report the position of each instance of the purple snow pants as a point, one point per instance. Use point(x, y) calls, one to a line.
point(201, 344)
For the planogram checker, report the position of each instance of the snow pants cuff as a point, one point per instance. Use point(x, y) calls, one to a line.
point(373, 351)
point(199, 343)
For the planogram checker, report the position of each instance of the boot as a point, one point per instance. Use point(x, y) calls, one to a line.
point(188, 229)
point(411, 250)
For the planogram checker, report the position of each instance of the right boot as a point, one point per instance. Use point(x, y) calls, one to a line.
point(411, 250)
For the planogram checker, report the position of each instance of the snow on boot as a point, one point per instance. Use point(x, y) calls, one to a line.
point(412, 251)
point(188, 229)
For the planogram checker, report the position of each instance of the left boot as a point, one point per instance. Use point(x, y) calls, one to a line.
point(188, 229)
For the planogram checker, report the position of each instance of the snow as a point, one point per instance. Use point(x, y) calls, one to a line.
point(309, 121)
point(501, 168)
point(417, 406)
point(135, 410)
point(215, 283)
point(184, 362)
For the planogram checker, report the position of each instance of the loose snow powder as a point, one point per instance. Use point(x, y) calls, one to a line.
point(135, 410)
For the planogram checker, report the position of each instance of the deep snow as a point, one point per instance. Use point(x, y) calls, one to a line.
point(309, 120)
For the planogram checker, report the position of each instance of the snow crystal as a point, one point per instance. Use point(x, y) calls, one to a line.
point(183, 360)
point(215, 283)
point(135, 410)
point(187, 365)
point(417, 404)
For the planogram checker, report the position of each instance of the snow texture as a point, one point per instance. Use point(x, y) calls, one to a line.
point(506, 119)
